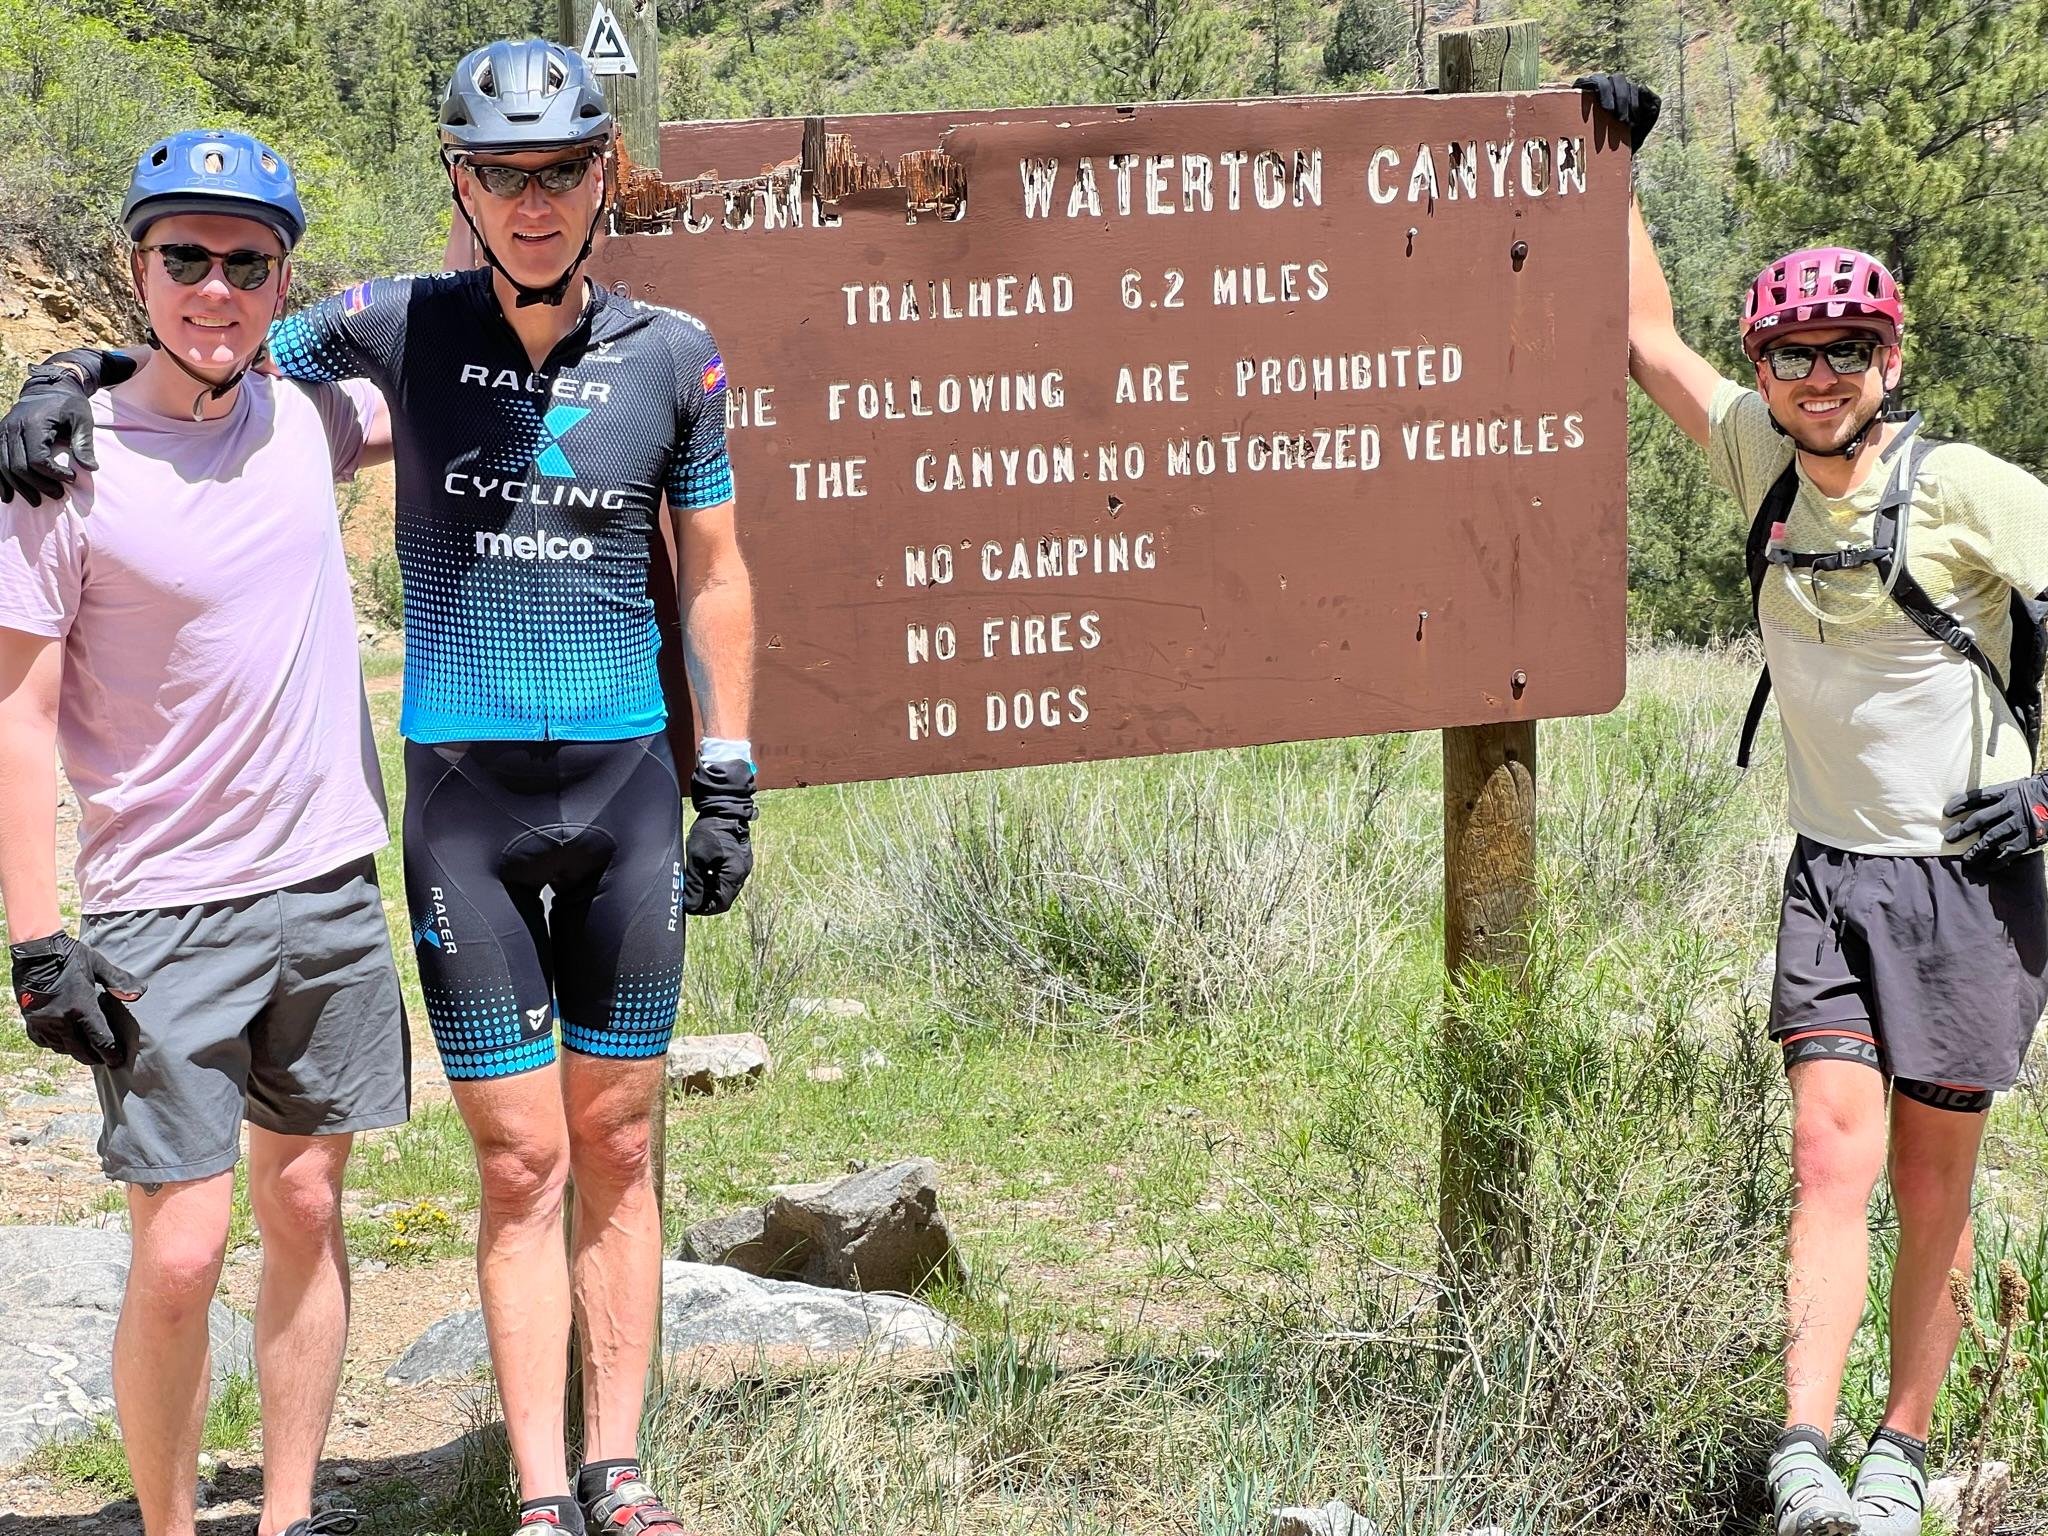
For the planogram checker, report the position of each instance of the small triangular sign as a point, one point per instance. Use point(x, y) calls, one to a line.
point(605, 48)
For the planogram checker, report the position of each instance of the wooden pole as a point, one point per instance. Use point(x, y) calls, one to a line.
point(635, 94)
point(1489, 843)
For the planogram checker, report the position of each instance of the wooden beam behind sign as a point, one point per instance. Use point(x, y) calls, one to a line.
point(1085, 432)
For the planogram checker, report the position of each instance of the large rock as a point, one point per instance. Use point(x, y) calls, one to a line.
point(1335, 1518)
point(69, 1128)
point(704, 1308)
point(60, 1295)
point(877, 1230)
point(1945, 1496)
point(702, 1063)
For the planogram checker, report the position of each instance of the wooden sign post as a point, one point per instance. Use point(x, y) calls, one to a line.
point(622, 45)
point(1489, 832)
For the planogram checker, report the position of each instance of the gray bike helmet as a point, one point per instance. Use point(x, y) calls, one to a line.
point(520, 95)
point(511, 97)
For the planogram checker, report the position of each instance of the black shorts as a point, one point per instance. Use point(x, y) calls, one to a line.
point(1940, 970)
point(596, 824)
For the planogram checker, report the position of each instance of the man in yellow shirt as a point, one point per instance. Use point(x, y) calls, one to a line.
point(1913, 936)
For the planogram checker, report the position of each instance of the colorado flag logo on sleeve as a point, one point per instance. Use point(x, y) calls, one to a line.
point(714, 375)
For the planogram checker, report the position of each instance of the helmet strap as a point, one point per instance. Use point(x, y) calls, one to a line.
point(209, 389)
point(556, 291)
point(1854, 445)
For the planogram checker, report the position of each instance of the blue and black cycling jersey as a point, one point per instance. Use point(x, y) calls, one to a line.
point(527, 497)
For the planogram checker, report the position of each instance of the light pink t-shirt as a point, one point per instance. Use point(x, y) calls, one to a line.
point(213, 723)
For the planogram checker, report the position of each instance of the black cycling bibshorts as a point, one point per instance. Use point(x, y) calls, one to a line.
point(598, 825)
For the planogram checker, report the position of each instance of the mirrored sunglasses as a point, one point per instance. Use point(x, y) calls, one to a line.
point(1847, 358)
point(188, 264)
point(509, 181)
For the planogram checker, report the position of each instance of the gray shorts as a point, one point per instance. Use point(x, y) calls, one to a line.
point(282, 1009)
point(1940, 971)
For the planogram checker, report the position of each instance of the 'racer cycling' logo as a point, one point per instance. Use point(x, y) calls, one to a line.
point(559, 422)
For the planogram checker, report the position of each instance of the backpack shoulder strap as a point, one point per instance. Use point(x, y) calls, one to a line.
point(1912, 597)
point(1771, 511)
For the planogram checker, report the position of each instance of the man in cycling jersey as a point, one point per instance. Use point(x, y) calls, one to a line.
point(540, 424)
point(178, 624)
point(1913, 935)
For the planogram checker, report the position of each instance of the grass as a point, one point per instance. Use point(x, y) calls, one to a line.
point(97, 1462)
point(1171, 1029)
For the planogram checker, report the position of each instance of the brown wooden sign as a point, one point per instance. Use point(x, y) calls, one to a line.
point(1086, 432)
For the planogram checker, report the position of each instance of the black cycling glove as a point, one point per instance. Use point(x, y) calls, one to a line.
point(721, 850)
point(58, 982)
point(1634, 105)
point(52, 416)
point(2012, 818)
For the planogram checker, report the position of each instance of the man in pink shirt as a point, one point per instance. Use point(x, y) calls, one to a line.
point(179, 627)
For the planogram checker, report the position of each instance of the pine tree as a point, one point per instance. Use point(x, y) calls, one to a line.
point(1624, 35)
point(1918, 130)
point(394, 106)
point(1161, 50)
point(1366, 42)
point(1281, 25)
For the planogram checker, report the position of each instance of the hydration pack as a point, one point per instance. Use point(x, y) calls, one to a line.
point(1902, 460)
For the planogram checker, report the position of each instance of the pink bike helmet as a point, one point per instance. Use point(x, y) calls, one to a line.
point(1816, 289)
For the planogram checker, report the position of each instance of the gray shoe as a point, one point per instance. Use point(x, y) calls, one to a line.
point(329, 1522)
point(1807, 1498)
point(1890, 1491)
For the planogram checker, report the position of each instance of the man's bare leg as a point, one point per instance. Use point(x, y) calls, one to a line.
point(301, 1310)
point(1933, 1165)
point(616, 1242)
point(522, 1153)
point(1838, 1149)
point(162, 1358)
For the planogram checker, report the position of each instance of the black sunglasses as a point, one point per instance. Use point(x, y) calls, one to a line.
point(509, 181)
point(188, 264)
point(1847, 357)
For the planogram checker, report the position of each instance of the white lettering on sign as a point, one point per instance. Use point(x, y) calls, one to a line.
point(1151, 382)
point(928, 567)
point(933, 717)
point(1040, 634)
point(1385, 182)
point(1053, 556)
point(944, 298)
point(1119, 461)
point(829, 479)
point(1164, 184)
point(1501, 436)
point(1420, 367)
point(1044, 707)
point(931, 642)
point(771, 203)
point(1321, 448)
point(1286, 282)
point(975, 394)
point(749, 407)
point(981, 469)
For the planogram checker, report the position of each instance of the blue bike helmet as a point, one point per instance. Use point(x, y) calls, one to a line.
point(214, 170)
